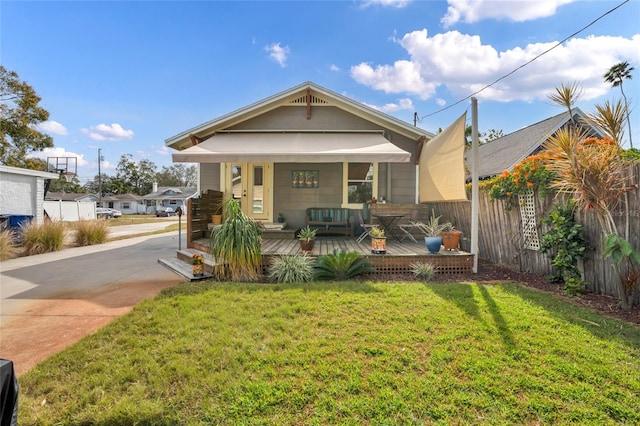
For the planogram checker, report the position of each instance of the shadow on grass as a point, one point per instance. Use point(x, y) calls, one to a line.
point(595, 323)
point(462, 295)
point(204, 286)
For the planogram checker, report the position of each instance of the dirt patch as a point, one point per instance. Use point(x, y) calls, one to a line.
point(49, 326)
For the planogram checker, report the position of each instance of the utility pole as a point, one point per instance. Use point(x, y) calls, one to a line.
point(99, 178)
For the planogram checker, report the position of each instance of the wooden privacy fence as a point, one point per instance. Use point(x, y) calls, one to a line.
point(200, 212)
point(504, 239)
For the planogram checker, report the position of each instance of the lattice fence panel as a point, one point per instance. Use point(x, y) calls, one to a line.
point(529, 225)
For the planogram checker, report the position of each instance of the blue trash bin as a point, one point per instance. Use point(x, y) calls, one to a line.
point(17, 220)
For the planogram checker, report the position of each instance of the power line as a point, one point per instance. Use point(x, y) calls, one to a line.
point(528, 62)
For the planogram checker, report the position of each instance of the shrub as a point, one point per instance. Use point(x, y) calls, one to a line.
point(43, 238)
point(565, 241)
point(90, 232)
point(423, 271)
point(8, 249)
point(291, 269)
point(341, 265)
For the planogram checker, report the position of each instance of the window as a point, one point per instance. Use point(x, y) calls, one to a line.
point(360, 183)
point(125, 205)
point(173, 202)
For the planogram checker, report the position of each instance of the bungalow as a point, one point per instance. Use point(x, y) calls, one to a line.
point(167, 196)
point(306, 147)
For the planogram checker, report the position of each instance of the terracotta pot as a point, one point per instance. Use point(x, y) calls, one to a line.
point(451, 239)
point(216, 219)
point(378, 245)
point(197, 270)
point(307, 246)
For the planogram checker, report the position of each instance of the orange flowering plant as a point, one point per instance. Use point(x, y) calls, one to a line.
point(197, 259)
point(531, 173)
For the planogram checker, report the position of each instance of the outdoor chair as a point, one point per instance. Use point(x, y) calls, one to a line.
point(408, 227)
point(365, 226)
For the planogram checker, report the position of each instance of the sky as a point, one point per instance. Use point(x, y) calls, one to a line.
point(122, 77)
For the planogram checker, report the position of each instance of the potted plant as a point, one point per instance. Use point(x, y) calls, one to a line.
point(281, 218)
point(451, 238)
point(433, 228)
point(307, 237)
point(197, 265)
point(378, 240)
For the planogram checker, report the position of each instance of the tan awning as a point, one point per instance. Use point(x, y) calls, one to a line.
point(442, 165)
point(294, 148)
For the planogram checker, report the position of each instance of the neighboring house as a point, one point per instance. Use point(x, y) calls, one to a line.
point(305, 147)
point(126, 203)
point(504, 153)
point(22, 192)
point(168, 196)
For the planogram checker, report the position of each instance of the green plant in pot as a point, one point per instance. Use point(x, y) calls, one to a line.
point(433, 228)
point(281, 218)
point(307, 238)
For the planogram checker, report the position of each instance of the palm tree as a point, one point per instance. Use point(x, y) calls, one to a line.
point(615, 76)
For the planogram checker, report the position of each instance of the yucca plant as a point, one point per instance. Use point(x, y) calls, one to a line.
point(236, 245)
point(90, 232)
point(291, 269)
point(423, 271)
point(8, 249)
point(341, 265)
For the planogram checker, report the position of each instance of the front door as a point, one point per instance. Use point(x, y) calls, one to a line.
point(250, 185)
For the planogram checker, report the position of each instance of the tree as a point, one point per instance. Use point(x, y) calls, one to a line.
point(567, 96)
point(19, 116)
point(137, 177)
point(615, 76)
point(66, 183)
point(177, 175)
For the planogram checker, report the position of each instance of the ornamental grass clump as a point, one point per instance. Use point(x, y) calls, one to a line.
point(43, 238)
point(8, 249)
point(423, 271)
point(90, 232)
point(291, 269)
point(236, 245)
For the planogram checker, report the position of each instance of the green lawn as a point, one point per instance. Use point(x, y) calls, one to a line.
point(348, 353)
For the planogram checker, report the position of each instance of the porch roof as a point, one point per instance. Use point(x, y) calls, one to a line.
point(325, 147)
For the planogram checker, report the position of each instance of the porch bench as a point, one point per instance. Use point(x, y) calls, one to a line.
point(330, 220)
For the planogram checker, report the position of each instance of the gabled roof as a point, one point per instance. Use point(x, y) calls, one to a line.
point(68, 196)
point(505, 152)
point(297, 95)
point(171, 193)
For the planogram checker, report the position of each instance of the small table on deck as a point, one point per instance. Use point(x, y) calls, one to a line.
point(388, 221)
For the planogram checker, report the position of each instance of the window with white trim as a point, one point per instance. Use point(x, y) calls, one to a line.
point(360, 183)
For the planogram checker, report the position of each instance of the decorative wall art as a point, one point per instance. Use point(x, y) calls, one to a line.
point(305, 178)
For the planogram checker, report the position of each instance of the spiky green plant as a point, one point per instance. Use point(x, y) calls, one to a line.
point(43, 238)
point(423, 271)
point(90, 232)
point(567, 96)
point(236, 245)
point(291, 269)
point(341, 265)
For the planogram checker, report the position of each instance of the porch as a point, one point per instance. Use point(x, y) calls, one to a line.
point(397, 260)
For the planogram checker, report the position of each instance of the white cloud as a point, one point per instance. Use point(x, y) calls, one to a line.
point(470, 11)
point(398, 4)
point(60, 153)
point(104, 132)
point(463, 65)
point(402, 105)
point(163, 150)
point(441, 102)
point(278, 53)
point(52, 127)
point(334, 67)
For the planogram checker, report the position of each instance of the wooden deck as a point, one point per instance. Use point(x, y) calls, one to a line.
point(398, 258)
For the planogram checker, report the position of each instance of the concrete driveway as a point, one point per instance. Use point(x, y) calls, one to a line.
point(50, 301)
